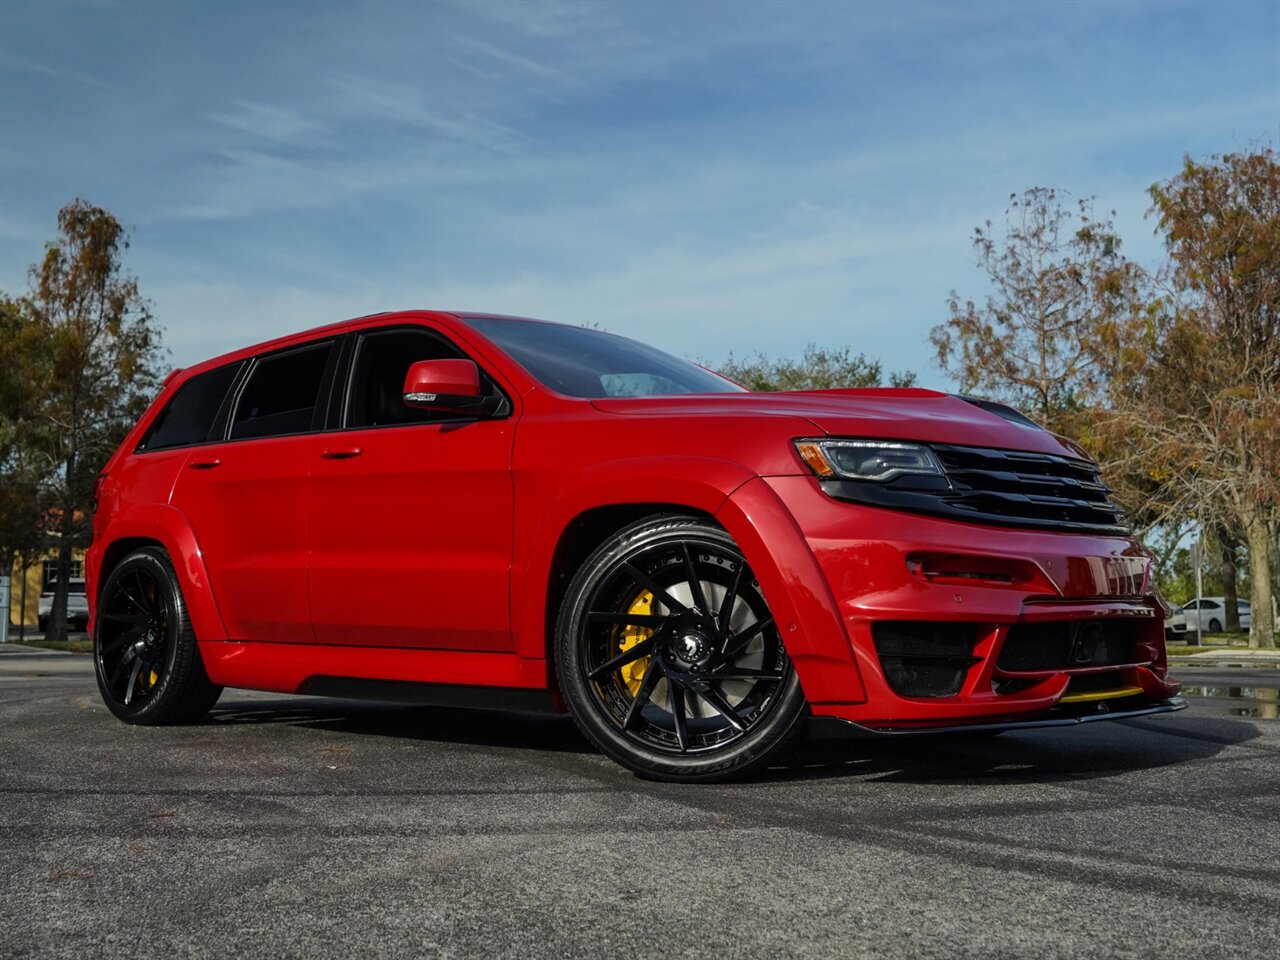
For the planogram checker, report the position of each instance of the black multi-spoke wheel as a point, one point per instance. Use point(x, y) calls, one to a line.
point(669, 658)
point(145, 653)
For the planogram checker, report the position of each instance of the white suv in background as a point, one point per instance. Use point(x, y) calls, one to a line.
point(1209, 614)
point(77, 605)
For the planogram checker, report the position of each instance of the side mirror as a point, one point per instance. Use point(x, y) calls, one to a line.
point(443, 385)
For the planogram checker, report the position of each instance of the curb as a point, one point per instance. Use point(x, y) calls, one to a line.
point(1270, 661)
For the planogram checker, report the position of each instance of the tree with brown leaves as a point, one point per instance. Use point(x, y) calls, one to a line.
point(1199, 390)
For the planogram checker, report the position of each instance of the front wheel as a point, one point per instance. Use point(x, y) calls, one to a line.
point(144, 650)
point(669, 658)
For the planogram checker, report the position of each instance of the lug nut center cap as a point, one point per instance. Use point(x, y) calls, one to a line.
point(691, 648)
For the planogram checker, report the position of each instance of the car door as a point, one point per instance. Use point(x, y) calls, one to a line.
point(1211, 610)
point(245, 495)
point(411, 510)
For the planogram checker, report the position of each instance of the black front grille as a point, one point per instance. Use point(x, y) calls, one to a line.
point(925, 659)
point(1011, 488)
point(1032, 488)
point(1067, 645)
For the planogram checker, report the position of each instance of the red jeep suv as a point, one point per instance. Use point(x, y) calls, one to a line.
point(451, 508)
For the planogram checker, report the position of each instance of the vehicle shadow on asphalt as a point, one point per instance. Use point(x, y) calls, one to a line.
point(487, 728)
point(1036, 756)
point(1024, 756)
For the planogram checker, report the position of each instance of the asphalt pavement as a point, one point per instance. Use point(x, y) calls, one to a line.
point(301, 827)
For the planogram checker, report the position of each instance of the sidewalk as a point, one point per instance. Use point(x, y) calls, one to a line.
point(16, 649)
point(1230, 657)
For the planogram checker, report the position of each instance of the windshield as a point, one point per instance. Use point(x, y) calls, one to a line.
point(579, 362)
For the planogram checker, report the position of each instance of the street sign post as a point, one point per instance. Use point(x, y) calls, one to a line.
point(1196, 556)
point(4, 605)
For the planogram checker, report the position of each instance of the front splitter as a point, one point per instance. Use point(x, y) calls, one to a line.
point(1051, 720)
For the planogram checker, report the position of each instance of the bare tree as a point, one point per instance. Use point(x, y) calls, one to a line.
point(1057, 279)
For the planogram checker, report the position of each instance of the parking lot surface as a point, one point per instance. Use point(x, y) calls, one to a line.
point(301, 827)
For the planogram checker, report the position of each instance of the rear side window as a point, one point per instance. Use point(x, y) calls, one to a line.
point(281, 394)
point(189, 416)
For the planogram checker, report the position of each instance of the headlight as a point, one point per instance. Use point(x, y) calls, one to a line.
point(878, 461)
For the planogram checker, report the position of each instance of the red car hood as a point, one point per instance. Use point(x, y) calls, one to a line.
point(898, 414)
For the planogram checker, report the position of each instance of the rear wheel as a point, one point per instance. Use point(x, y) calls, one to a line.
point(1215, 626)
point(669, 658)
point(145, 654)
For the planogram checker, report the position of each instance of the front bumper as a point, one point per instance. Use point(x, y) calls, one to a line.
point(1035, 627)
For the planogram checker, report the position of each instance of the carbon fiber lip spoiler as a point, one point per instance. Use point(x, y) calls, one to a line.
point(1166, 706)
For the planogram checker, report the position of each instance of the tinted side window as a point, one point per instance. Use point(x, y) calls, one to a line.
point(188, 417)
point(281, 395)
point(376, 398)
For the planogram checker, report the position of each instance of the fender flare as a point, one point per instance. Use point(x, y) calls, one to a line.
point(794, 586)
point(169, 527)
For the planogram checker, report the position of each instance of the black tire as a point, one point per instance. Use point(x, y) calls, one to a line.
point(669, 687)
point(44, 624)
point(144, 651)
point(1215, 626)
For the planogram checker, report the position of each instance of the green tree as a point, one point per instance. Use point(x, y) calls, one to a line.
point(1176, 576)
point(89, 354)
point(818, 369)
point(1056, 280)
point(21, 519)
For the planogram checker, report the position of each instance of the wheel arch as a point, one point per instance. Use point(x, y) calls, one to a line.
point(600, 501)
point(587, 531)
point(169, 530)
point(116, 551)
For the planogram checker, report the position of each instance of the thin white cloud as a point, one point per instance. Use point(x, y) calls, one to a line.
point(525, 65)
point(548, 19)
point(364, 99)
point(60, 73)
point(272, 122)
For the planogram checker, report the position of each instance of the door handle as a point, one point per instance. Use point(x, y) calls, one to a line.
point(205, 463)
point(340, 453)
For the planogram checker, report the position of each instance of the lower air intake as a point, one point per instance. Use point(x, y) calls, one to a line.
point(1067, 645)
point(925, 659)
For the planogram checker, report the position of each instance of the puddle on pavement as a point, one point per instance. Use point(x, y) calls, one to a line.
point(1259, 703)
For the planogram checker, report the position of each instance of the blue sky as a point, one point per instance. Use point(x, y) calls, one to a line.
point(703, 176)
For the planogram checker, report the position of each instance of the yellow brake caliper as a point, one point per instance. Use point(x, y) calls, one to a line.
point(633, 672)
